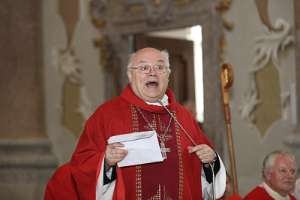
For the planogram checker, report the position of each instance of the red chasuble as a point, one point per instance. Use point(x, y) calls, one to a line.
point(177, 177)
point(260, 193)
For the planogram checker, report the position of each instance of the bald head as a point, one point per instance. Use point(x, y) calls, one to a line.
point(148, 73)
point(140, 52)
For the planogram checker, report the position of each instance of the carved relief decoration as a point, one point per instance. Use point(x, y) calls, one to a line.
point(262, 8)
point(156, 12)
point(259, 100)
point(110, 62)
point(117, 20)
point(76, 106)
point(69, 12)
point(98, 12)
point(222, 7)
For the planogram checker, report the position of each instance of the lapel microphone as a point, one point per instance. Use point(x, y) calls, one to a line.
point(179, 124)
point(211, 165)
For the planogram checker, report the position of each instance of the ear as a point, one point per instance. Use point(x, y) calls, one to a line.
point(129, 75)
point(267, 174)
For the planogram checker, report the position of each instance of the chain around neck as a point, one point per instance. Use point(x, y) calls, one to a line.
point(150, 125)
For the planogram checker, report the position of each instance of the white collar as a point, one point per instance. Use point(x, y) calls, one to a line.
point(164, 100)
point(274, 194)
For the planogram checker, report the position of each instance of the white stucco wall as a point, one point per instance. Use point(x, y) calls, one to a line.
point(54, 39)
point(250, 147)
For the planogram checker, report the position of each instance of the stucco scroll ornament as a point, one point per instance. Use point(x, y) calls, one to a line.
point(66, 63)
point(249, 102)
point(271, 43)
point(75, 104)
point(157, 11)
point(98, 11)
point(267, 48)
point(69, 65)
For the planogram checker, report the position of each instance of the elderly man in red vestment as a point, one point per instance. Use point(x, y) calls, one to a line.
point(279, 174)
point(190, 162)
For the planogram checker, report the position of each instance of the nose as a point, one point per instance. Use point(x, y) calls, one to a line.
point(152, 70)
point(291, 174)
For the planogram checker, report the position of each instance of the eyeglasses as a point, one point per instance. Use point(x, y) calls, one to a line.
point(146, 67)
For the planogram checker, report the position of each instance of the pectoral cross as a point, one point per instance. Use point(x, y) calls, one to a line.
point(164, 150)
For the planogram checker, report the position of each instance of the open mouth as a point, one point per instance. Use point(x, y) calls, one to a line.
point(152, 84)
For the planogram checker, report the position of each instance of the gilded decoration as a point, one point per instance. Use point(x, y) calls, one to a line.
point(116, 19)
point(156, 11)
point(222, 7)
point(161, 193)
point(180, 156)
point(98, 12)
point(138, 168)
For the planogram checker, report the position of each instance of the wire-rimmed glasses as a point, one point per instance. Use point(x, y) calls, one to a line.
point(146, 67)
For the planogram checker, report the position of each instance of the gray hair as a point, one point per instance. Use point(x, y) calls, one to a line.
point(164, 53)
point(269, 160)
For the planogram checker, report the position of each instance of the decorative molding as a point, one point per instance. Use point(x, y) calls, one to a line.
point(118, 20)
point(67, 64)
point(271, 43)
point(157, 12)
point(69, 12)
point(29, 153)
point(249, 101)
point(25, 168)
point(267, 48)
point(110, 60)
point(98, 12)
point(222, 7)
point(262, 8)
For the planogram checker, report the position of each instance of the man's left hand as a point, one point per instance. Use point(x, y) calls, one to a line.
point(204, 152)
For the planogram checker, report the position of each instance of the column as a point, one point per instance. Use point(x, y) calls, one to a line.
point(26, 161)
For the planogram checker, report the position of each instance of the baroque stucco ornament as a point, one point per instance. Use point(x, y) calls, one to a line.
point(67, 64)
point(267, 49)
point(121, 19)
point(271, 43)
point(157, 12)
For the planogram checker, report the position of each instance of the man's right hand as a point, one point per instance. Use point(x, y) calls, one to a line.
point(114, 153)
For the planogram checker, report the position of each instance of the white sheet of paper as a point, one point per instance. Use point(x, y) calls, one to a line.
point(142, 148)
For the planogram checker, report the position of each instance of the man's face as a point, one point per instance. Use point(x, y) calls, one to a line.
point(149, 85)
point(282, 176)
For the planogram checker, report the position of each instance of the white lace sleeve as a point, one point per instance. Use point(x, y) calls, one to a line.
point(219, 183)
point(104, 192)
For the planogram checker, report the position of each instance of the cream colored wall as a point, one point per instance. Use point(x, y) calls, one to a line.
point(54, 39)
point(250, 147)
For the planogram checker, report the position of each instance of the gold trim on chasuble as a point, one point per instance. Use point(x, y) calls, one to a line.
point(157, 196)
point(138, 168)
